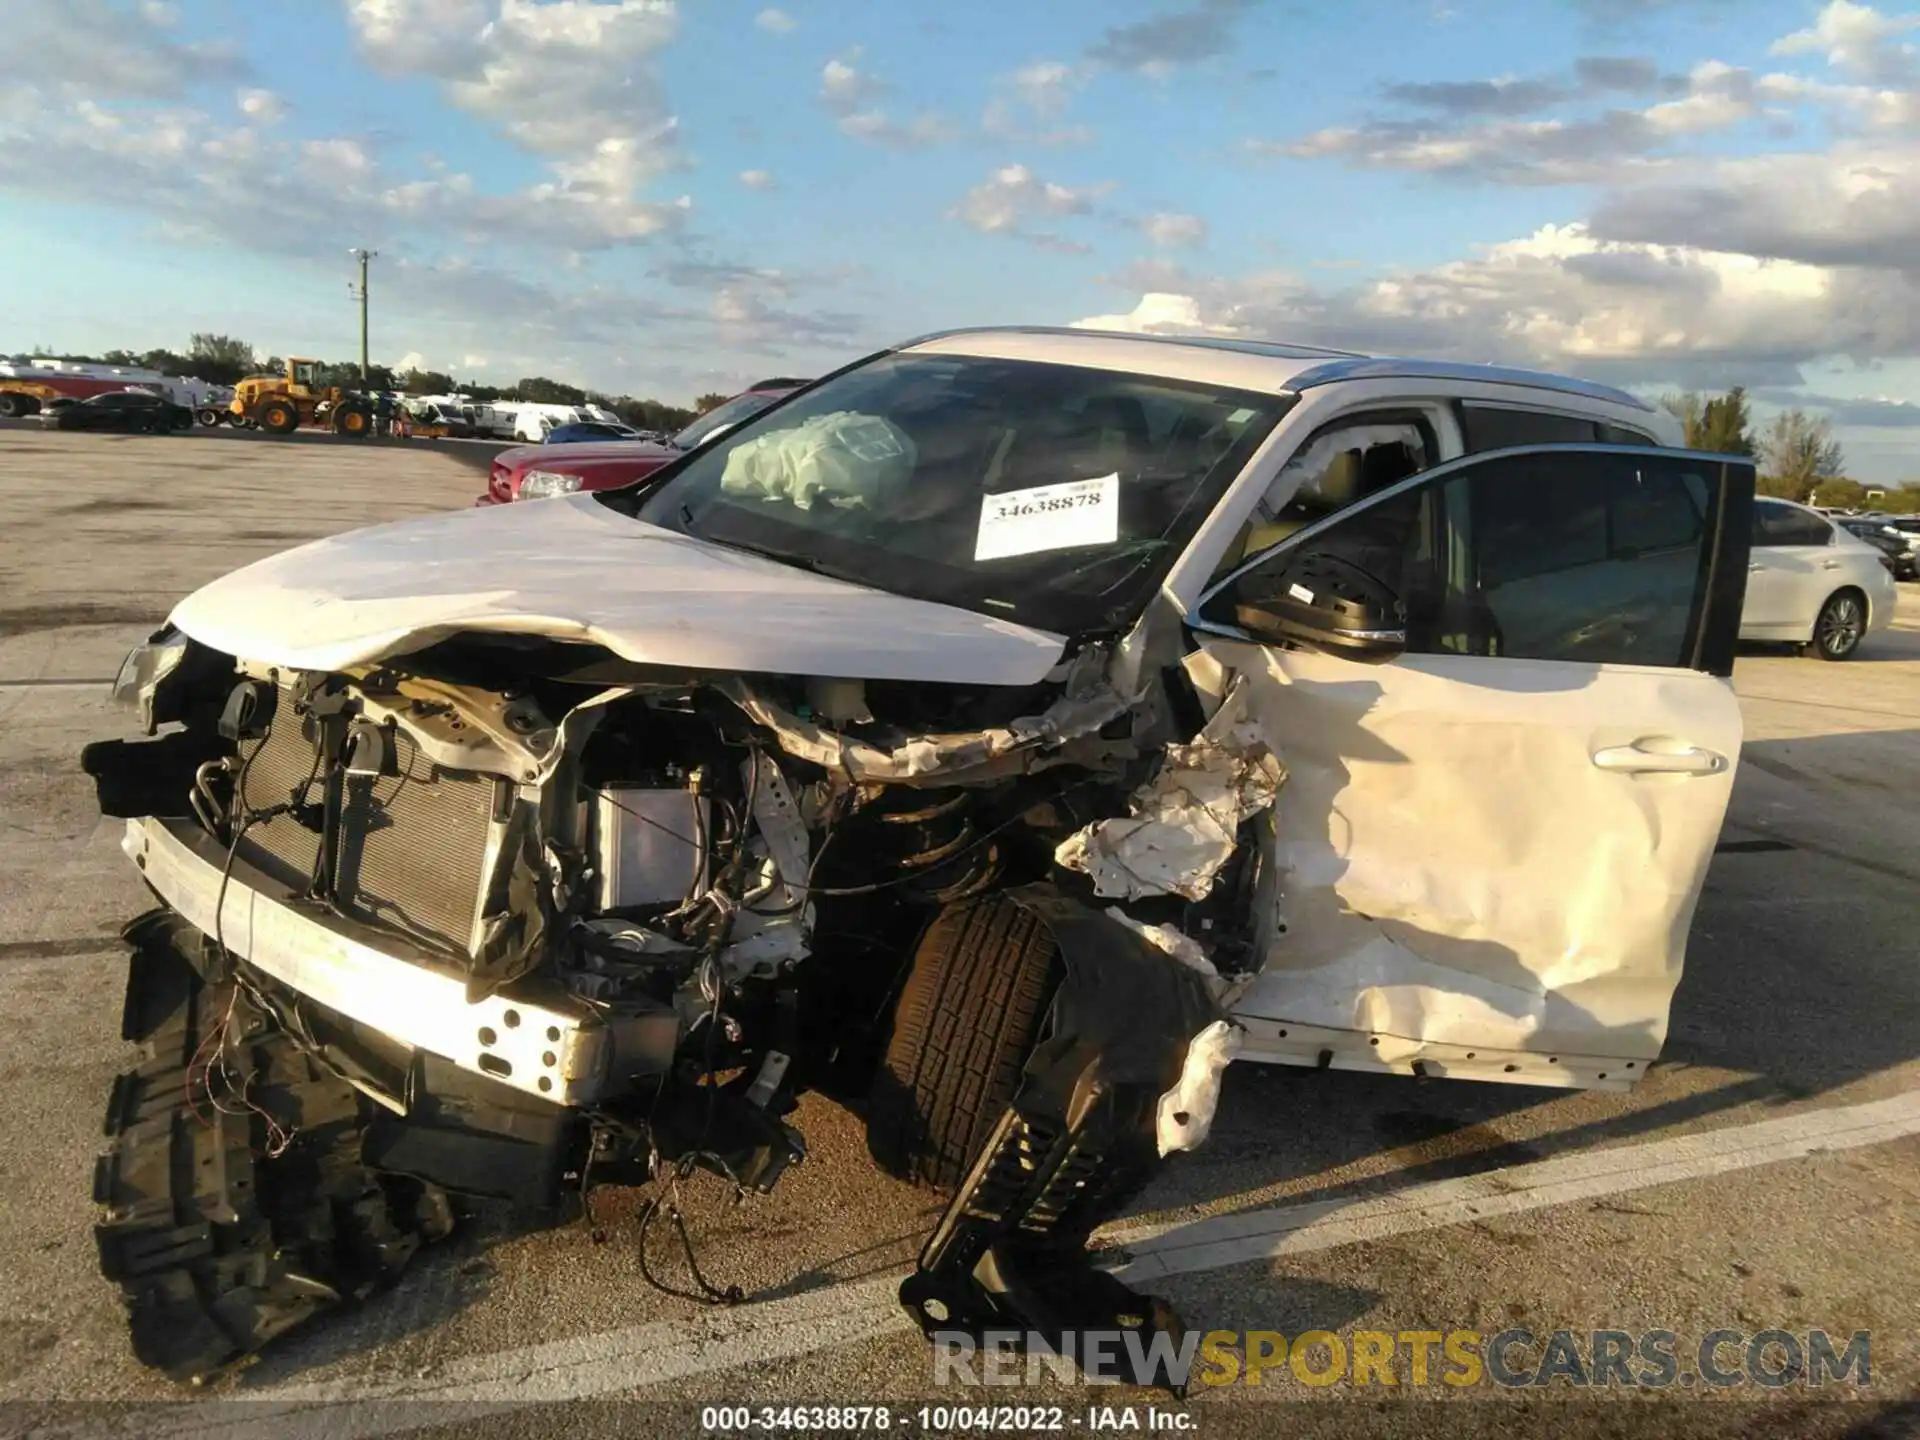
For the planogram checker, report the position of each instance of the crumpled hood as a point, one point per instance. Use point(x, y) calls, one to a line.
point(572, 569)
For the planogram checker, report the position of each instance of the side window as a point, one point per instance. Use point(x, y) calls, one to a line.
point(1620, 435)
point(1494, 427)
point(1596, 558)
point(1593, 558)
point(1775, 524)
point(1338, 466)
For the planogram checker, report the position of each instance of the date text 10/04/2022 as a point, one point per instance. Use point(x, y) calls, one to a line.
point(943, 1419)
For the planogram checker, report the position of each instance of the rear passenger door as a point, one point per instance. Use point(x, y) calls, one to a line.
point(1789, 571)
point(1487, 853)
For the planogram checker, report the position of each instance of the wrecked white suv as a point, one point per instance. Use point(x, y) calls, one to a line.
point(1002, 733)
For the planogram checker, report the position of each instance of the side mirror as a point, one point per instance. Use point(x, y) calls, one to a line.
point(1318, 601)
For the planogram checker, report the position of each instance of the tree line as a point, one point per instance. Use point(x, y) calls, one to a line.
point(226, 360)
point(1799, 457)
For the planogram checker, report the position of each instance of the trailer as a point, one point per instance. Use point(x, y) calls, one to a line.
point(28, 384)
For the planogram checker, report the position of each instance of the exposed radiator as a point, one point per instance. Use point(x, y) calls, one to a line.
point(414, 846)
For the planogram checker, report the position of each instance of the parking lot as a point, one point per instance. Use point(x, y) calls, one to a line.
point(1766, 1175)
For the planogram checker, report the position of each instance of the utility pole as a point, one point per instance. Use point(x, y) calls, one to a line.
point(360, 293)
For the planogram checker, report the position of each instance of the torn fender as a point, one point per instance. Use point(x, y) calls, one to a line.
point(1081, 1137)
point(1183, 824)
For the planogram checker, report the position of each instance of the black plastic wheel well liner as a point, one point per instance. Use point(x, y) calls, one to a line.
point(1077, 1142)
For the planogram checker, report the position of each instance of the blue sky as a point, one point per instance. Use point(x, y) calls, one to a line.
point(665, 197)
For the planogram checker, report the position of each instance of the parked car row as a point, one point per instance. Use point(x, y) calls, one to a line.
point(1895, 536)
point(127, 411)
point(539, 472)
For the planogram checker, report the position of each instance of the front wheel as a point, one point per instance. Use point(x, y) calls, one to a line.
point(277, 417)
point(975, 1004)
point(1840, 626)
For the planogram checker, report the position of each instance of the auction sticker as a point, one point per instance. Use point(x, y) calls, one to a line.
point(1049, 517)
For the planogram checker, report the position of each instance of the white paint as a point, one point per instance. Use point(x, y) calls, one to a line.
point(1788, 584)
point(634, 1358)
point(1157, 1252)
point(1185, 1114)
point(1453, 869)
point(572, 569)
point(1049, 517)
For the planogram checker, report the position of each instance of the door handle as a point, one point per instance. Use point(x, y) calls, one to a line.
point(1633, 760)
point(1829, 564)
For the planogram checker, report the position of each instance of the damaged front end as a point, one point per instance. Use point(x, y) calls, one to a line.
point(507, 918)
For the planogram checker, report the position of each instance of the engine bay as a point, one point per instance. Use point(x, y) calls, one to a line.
point(619, 918)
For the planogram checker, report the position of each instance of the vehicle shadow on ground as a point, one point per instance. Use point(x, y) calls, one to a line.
point(1783, 1002)
point(1895, 643)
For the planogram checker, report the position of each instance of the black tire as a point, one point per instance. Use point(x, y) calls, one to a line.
point(222, 1231)
point(208, 416)
point(278, 417)
point(974, 1006)
point(16, 407)
point(1840, 626)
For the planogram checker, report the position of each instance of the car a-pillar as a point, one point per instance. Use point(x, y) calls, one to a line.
point(1034, 1040)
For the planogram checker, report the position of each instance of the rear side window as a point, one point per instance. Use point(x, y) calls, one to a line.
point(1493, 427)
point(1776, 524)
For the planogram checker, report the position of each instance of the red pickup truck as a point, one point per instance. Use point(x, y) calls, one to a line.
point(539, 472)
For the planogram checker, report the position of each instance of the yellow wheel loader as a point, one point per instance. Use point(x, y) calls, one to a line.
point(304, 395)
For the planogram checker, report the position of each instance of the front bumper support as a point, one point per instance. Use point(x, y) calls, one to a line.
point(546, 1044)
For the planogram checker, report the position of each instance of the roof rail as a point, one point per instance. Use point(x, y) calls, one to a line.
point(1278, 349)
point(1391, 368)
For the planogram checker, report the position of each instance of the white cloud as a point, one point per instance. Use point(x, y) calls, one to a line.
point(1604, 146)
point(573, 81)
point(844, 86)
point(473, 362)
point(261, 105)
point(1568, 300)
point(1045, 86)
point(757, 179)
point(1856, 38)
point(1027, 105)
point(1169, 230)
point(1162, 43)
point(1158, 313)
point(412, 360)
point(776, 22)
point(850, 94)
point(1855, 206)
point(94, 47)
point(1011, 196)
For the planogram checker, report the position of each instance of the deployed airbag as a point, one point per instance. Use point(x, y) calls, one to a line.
point(845, 457)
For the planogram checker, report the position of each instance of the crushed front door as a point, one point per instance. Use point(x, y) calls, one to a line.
point(1488, 850)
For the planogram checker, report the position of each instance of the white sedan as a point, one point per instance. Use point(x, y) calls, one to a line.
point(1811, 583)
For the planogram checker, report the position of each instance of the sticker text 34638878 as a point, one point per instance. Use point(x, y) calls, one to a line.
point(1049, 517)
